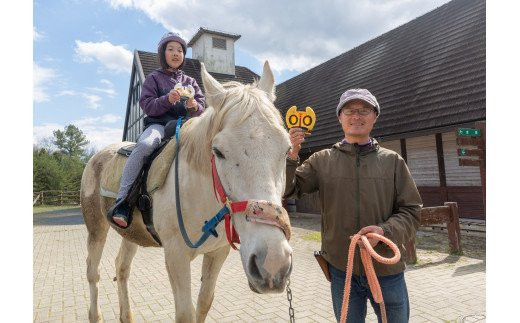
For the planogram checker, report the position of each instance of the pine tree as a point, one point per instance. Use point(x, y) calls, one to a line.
point(71, 141)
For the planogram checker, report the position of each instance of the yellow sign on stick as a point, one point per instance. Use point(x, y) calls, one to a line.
point(302, 119)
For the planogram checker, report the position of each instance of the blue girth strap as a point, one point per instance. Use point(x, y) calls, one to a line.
point(209, 226)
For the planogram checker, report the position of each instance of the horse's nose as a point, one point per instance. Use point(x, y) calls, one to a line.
point(254, 268)
point(269, 270)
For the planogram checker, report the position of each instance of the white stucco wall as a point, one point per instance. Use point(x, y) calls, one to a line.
point(216, 60)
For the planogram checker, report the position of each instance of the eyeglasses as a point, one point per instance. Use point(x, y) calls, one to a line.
point(362, 111)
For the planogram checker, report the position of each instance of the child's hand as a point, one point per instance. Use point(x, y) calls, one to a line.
point(174, 96)
point(192, 104)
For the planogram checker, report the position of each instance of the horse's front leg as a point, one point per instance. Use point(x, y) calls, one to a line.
point(211, 265)
point(179, 271)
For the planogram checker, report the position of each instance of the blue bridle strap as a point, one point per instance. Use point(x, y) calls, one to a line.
point(209, 226)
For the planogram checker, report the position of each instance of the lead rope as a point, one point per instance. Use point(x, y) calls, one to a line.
point(289, 298)
point(366, 253)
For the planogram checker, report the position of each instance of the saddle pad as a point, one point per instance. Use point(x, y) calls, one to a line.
point(111, 176)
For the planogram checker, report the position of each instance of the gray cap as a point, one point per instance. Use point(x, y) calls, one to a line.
point(359, 94)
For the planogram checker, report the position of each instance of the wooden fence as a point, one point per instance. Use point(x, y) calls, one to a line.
point(56, 198)
point(448, 214)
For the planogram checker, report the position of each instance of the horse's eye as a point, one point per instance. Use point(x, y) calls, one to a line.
point(218, 153)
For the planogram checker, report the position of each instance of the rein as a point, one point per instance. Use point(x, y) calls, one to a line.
point(209, 227)
point(254, 210)
point(366, 253)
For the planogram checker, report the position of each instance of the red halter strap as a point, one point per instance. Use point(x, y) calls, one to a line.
point(233, 207)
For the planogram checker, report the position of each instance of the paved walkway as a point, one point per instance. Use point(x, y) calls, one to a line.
point(442, 288)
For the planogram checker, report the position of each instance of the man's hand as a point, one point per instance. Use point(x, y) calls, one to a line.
point(297, 136)
point(174, 96)
point(373, 229)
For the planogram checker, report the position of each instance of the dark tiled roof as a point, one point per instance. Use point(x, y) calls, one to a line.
point(150, 62)
point(427, 74)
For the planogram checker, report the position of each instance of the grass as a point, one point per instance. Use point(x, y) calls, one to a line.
point(46, 208)
point(314, 236)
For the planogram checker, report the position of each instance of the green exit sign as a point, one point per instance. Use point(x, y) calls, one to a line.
point(462, 152)
point(469, 132)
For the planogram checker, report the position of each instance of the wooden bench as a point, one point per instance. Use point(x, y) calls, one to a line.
point(449, 214)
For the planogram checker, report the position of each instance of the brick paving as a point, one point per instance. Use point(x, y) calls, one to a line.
point(442, 287)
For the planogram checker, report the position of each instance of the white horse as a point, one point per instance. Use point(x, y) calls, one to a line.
point(244, 132)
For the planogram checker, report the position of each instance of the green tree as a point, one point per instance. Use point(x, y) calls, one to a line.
point(71, 141)
point(60, 169)
point(72, 170)
point(47, 172)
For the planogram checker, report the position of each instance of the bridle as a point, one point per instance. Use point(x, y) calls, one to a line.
point(254, 210)
point(232, 207)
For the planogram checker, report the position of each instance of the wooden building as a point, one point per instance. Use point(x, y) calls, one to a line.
point(214, 48)
point(429, 76)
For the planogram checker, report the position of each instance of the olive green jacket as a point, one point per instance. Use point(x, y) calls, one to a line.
point(359, 187)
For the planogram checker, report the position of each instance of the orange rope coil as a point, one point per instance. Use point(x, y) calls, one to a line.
point(367, 252)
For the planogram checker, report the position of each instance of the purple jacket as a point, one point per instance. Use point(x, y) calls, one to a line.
point(154, 97)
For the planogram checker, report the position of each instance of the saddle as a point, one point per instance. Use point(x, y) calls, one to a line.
point(150, 178)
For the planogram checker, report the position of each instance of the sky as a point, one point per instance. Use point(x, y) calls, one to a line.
point(83, 50)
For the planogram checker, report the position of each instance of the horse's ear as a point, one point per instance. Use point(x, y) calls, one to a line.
point(266, 82)
point(215, 92)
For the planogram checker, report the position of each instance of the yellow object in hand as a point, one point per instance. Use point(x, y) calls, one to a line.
point(302, 119)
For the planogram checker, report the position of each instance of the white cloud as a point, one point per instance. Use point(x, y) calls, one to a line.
point(115, 58)
point(92, 100)
point(120, 3)
point(110, 118)
point(45, 131)
point(89, 121)
point(98, 136)
point(110, 92)
point(37, 35)
point(41, 75)
point(108, 89)
point(67, 92)
point(101, 137)
point(290, 36)
point(107, 83)
point(286, 62)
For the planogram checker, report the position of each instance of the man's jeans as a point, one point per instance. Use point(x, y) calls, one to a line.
point(393, 287)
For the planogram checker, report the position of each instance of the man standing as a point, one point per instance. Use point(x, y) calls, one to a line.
point(362, 188)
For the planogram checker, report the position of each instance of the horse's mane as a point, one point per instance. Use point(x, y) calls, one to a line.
point(197, 134)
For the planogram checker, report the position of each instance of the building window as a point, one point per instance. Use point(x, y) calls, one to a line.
point(219, 43)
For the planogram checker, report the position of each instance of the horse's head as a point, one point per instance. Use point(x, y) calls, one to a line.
point(250, 146)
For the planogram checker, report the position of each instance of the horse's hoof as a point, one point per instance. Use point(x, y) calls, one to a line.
point(95, 317)
point(128, 318)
